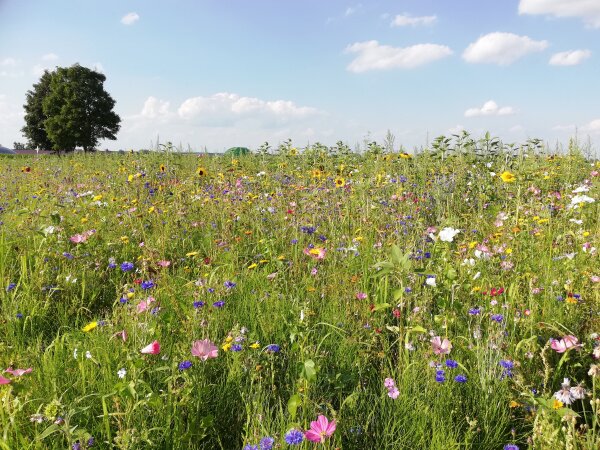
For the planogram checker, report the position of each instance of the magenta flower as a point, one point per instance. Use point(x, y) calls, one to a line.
point(564, 344)
point(320, 429)
point(441, 347)
point(4, 380)
point(145, 304)
point(152, 349)
point(204, 349)
point(18, 372)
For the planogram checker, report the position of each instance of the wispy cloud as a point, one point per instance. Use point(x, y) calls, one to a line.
point(570, 58)
point(130, 18)
point(586, 10)
point(403, 20)
point(373, 56)
point(50, 57)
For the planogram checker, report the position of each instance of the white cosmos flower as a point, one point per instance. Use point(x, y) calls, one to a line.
point(121, 373)
point(447, 234)
point(575, 201)
point(430, 281)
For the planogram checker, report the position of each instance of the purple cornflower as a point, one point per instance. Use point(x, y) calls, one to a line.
point(19, 315)
point(147, 284)
point(250, 447)
point(198, 304)
point(91, 441)
point(126, 266)
point(511, 447)
point(273, 348)
point(451, 364)
point(76, 446)
point(219, 304)
point(236, 348)
point(440, 376)
point(507, 366)
point(184, 365)
point(497, 318)
point(266, 443)
point(475, 311)
point(294, 437)
point(68, 256)
point(11, 286)
point(229, 284)
point(460, 379)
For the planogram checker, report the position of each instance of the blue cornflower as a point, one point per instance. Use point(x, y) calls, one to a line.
point(475, 311)
point(68, 256)
point(460, 379)
point(308, 230)
point(123, 300)
point(236, 348)
point(506, 364)
point(198, 304)
point(229, 284)
point(19, 315)
point(511, 447)
point(427, 255)
point(219, 304)
point(126, 266)
point(407, 290)
point(294, 241)
point(250, 447)
point(273, 348)
point(154, 311)
point(76, 446)
point(294, 437)
point(184, 365)
point(451, 364)
point(147, 284)
point(323, 238)
point(266, 443)
point(91, 441)
point(112, 265)
point(497, 318)
point(11, 286)
point(440, 376)
point(210, 290)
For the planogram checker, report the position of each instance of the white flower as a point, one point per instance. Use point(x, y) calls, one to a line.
point(578, 199)
point(75, 353)
point(565, 395)
point(578, 392)
point(580, 189)
point(430, 281)
point(447, 234)
point(578, 222)
point(88, 355)
point(121, 373)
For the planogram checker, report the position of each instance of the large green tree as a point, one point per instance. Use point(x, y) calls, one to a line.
point(34, 129)
point(75, 110)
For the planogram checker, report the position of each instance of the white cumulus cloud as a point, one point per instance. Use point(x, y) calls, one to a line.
point(403, 20)
point(373, 56)
point(130, 18)
point(489, 108)
point(569, 58)
point(587, 10)
point(592, 127)
point(8, 62)
point(153, 107)
point(501, 48)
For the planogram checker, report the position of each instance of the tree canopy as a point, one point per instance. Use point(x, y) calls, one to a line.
point(69, 108)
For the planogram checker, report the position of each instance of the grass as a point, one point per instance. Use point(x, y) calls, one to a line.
point(240, 231)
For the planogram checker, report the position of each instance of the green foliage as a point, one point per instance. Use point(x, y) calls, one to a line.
point(35, 129)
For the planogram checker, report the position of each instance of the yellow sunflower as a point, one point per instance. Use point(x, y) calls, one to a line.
point(340, 182)
point(201, 171)
point(508, 177)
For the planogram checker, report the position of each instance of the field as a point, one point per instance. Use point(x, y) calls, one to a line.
point(173, 301)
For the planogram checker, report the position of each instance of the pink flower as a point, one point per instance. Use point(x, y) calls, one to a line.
point(361, 295)
point(145, 304)
point(204, 349)
point(79, 238)
point(441, 347)
point(18, 372)
point(164, 263)
point(320, 429)
point(4, 380)
point(152, 349)
point(122, 334)
point(564, 344)
point(318, 253)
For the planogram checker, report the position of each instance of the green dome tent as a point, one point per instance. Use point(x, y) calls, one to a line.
point(238, 151)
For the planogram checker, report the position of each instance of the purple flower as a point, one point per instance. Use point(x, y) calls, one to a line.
point(185, 365)
point(506, 364)
point(236, 348)
point(91, 441)
point(250, 447)
point(294, 437)
point(273, 348)
point(198, 304)
point(126, 266)
point(19, 315)
point(68, 256)
point(475, 311)
point(451, 364)
point(266, 443)
point(511, 447)
point(229, 284)
point(497, 318)
point(11, 286)
point(147, 285)
point(440, 376)
point(460, 379)
point(219, 304)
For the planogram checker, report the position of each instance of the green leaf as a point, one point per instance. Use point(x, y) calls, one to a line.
point(380, 306)
point(292, 406)
point(309, 372)
point(48, 431)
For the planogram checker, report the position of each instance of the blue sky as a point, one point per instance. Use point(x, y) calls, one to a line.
point(241, 72)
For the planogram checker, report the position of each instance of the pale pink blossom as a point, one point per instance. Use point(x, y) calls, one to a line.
point(18, 372)
point(441, 347)
point(564, 344)
point(204, 349)
point(164, 263)
point(318, 253)
point(4, 380)
point(145, 304)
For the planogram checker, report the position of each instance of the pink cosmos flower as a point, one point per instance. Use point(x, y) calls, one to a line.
point(204, 349)
point(18, 372)
point(441, 347)
point(79, 238)
point(145, 304)
point(4, 380)
point(164, 263)
point(564, 344)
point(320, 429)
point(361, 295)
point(152, 349)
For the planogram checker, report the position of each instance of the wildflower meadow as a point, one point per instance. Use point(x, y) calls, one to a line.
point(303, 299)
